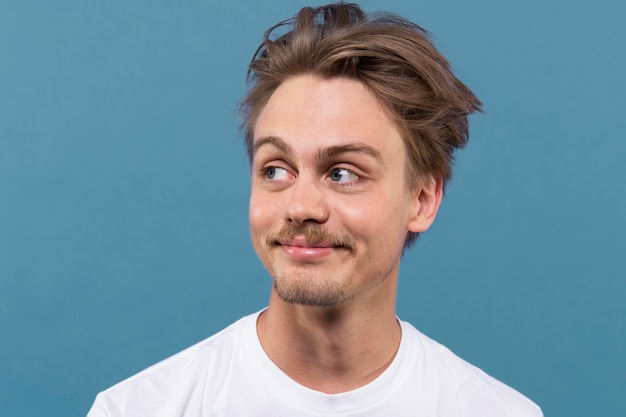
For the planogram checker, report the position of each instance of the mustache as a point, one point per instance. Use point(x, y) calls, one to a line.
point(312, 234)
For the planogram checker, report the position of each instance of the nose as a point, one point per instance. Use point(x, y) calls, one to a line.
point(307, 202)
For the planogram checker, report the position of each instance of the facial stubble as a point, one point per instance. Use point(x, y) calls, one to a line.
point(306, 286)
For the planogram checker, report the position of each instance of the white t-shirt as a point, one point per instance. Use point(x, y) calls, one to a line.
point(229, 374)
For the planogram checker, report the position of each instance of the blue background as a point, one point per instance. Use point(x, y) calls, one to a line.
point(124, 186)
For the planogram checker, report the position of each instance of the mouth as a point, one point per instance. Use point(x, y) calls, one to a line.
point(303, 251)
point(302, 242)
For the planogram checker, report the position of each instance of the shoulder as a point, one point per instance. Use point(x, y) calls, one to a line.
point(476, 393)
point(177, 376)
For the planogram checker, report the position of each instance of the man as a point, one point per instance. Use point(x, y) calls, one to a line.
point(350, 123)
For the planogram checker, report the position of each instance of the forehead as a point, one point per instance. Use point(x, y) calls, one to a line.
point(308, 112)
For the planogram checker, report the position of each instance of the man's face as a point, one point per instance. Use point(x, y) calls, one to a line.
point(329, 206)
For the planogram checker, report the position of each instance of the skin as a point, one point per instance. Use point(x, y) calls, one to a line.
point(330, 209)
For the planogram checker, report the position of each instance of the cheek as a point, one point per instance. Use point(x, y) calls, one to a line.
point(258, 228)
point(366, 216)
point(264, 213)
point(257, 225)
point(259, 202)
point(257, 213)
point(382, 221)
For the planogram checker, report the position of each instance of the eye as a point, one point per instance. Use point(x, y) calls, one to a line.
point(276, 173)
point(342, 175)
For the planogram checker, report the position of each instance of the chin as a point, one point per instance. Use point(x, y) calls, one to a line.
point(309, 294)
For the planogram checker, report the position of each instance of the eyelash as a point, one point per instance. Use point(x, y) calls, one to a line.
point(265, 171)
point(350, 172)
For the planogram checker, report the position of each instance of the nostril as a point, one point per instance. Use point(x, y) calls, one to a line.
point(307, 204)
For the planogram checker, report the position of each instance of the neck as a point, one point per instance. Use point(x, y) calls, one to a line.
point(331, 349)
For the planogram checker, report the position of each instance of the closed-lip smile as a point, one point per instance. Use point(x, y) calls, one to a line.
point(303, 250)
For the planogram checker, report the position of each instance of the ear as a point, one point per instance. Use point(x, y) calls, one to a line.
point(426, 201)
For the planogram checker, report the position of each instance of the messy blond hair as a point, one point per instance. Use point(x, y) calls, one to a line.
point(392, 56)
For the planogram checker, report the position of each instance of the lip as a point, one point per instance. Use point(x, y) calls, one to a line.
point(307, 253)
point(300, 249)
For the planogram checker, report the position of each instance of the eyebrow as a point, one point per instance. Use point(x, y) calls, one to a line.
point(271, 140)
point(332, 151)
point(321, 154)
